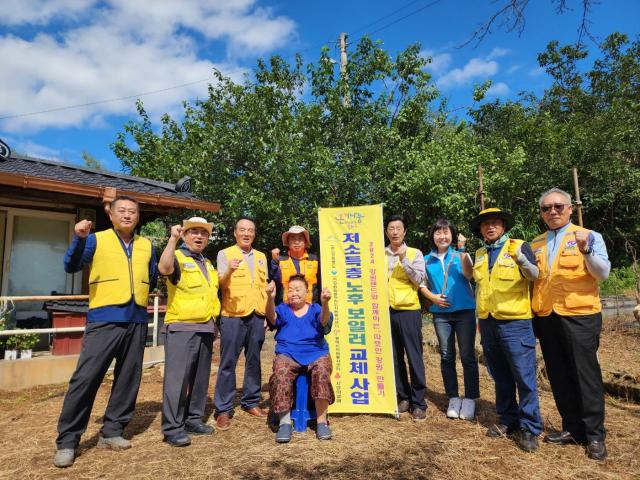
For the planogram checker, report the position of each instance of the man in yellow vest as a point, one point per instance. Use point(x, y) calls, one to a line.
point(502, 271)
point(242, 271)
point(406, 272)
point(122, 272)
point(297, 261)
point(572, 260)
point(192, 309)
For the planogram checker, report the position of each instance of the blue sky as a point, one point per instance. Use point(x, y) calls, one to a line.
point(60, 53)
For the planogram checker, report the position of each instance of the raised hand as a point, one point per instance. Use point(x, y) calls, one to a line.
point(325, 296)
point(82, 229)
point(512, 248)
point(582, 240)
point(271, 289)
point(462, 241)
point(176, 232)
point(402, 251)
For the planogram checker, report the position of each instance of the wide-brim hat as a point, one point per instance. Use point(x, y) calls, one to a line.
point(487, 213)
point(197, 222)
point(293, 230)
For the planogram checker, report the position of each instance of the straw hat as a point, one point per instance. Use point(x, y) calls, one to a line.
point(293, 230)
point(196, 222)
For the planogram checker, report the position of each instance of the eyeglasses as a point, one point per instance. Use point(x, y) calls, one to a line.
point(198, 233)
point(558, 207)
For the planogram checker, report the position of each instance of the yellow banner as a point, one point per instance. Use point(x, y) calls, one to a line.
point(354, 268)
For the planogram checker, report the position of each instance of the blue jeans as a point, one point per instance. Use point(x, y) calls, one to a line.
point(461, 325)
point(510, 351)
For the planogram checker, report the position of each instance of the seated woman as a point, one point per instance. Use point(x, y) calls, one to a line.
point(300, 347)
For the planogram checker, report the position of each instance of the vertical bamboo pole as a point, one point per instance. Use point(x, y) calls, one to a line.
point(481, 187)
point(576, 189)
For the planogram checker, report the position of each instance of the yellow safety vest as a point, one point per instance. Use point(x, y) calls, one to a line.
point(245, 293)
point(194, 299)
point(308, 268)
point(502, 293)
point(114, 278)
point(403, 294)
point(566, 288)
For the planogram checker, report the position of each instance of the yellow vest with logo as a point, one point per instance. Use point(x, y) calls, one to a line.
point(245, 293)
point(308, 268)
point(114, 278)
point(403, 294)
point(194, 299)
point(502, 293)
point(566, 287)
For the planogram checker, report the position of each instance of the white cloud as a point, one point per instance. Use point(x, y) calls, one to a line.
point(497, 53)
point(514, 69)
point(475, 68)
point(38, 12)
point(536, 72)
point(499, 89)
point(123, 48)
point(34, 149)
point(440, 62)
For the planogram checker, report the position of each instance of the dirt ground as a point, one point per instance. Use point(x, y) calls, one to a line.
point(363, 447)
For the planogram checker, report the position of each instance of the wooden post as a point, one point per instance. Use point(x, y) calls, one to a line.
point(576, 189)
point(346, 100)
point(481, 187)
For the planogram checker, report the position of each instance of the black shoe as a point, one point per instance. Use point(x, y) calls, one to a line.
point(560, 438)
point(199, 428)
point(499, 430)
point(597, 450)
point(178, 440)
point(526, 440)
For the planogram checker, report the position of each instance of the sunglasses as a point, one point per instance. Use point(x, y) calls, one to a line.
point(558, 207)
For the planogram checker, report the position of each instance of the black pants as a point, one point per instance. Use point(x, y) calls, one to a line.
point(102, 342)
point(406, 334)
point(187, 368)
point(569, 347)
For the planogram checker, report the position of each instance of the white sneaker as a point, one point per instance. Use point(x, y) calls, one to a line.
point(454, 407)
point(468, 409)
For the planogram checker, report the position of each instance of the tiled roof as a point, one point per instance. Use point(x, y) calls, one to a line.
point(37, 167)
point(79, 306)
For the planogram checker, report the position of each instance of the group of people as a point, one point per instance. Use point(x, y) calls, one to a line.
point(548, 289)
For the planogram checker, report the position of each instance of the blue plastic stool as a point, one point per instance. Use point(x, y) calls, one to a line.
point(301, 413)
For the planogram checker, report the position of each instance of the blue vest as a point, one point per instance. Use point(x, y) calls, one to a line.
point(459, 293)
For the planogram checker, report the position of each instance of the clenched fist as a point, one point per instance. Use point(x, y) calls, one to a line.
point(325, 296)
point(235, 263)
point(176, 231)
point(83, 228)
point(582, 240)
point(512, 248)
point(462, 241)
point(271, 289)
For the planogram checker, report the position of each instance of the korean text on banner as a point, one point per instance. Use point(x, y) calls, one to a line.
point(354, 269)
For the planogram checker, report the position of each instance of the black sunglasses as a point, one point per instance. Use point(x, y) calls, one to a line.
point(558, 207)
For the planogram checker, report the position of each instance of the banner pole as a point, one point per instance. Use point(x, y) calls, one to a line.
point(576, 189)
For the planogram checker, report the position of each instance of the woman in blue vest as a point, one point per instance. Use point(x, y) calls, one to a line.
point(453, 308)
